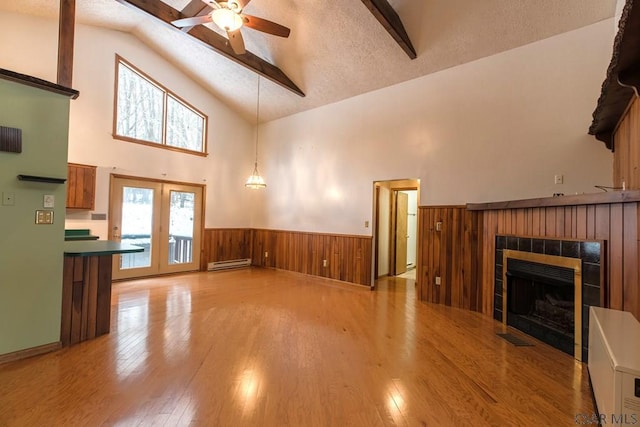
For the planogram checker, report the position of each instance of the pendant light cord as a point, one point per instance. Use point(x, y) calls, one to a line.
point(257, 120)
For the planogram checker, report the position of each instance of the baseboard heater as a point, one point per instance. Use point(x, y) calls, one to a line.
point(614, 365)
point(227, 265)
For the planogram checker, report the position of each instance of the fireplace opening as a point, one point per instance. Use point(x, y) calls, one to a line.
point(541, 302)
point(543, 294)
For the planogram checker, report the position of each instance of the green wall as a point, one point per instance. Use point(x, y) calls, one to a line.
point(31, 256)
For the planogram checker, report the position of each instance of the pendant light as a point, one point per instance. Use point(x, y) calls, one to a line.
point(255, 181)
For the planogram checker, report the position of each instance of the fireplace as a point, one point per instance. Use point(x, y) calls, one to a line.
point(545, 286)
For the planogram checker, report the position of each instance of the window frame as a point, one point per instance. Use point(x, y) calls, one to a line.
point(166, 93)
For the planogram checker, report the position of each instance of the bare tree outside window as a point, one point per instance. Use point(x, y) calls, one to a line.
point(147, 112)
point(184, 126)
point(139, 107)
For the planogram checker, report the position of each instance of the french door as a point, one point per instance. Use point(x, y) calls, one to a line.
point(164, 218)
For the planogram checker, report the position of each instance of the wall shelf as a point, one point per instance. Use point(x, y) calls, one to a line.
point(46, 179)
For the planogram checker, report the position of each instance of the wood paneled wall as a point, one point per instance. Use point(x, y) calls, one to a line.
point(615, 223)
point(225, 244)
point(451, 254)
point(626, 155)
point(348, 257)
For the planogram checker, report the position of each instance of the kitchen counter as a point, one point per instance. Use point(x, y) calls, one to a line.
point(98, 248)
point(79, 234)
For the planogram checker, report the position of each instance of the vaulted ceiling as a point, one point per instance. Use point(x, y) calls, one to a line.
point(337, 50)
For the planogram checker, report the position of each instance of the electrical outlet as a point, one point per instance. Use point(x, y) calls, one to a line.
point(558, 179)
point(44, 217)
point(439, 226)
point(438, 281)
point(366, 224)
point(324, 263)
point(266, 254)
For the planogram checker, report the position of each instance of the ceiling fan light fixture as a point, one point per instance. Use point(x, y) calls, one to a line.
point(226, 19)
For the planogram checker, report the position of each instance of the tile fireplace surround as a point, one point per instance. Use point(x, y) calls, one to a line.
point(589, 253)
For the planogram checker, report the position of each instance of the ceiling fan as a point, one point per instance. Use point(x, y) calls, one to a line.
point(229, 17)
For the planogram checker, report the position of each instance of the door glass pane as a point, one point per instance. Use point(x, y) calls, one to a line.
point(181, 214)
point(137, 218)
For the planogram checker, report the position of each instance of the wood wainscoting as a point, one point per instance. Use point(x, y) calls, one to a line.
point(225, 244)
point(348, 257)
point(452, 254)
point(615, 223)
point(462, 253)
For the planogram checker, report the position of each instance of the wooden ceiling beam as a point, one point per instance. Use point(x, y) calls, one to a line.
point(390, 20)
point(66, 31)
point(194, 8)
point(209, 38)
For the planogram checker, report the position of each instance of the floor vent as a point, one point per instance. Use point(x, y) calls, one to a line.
point(226, 265)
point(515, 340)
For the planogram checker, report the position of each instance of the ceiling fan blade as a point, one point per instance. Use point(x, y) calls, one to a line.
point(190, 22)
point(265, 26)
point(236, 41)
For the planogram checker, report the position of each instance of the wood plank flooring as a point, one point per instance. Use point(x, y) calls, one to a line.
point(265, 347)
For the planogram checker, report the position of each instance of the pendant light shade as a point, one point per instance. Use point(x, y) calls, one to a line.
point(255, 181)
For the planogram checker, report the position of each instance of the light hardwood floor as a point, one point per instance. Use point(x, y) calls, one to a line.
point(265, 347)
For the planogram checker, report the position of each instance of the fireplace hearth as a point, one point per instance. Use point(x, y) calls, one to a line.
point(544, 287)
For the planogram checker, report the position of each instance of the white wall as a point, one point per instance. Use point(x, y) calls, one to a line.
point(498, 128)
point(29, 45)
point(495, 129)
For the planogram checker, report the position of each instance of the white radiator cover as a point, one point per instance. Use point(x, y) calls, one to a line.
point(225, 265)
point(614, 364)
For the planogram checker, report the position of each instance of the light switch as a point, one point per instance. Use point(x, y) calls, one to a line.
point(49, 201)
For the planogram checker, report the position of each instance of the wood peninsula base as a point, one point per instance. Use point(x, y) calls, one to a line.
point(86, 289)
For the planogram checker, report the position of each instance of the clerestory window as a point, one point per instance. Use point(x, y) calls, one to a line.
point(148, 113)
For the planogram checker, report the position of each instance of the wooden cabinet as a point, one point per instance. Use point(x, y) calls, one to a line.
point(81, 186)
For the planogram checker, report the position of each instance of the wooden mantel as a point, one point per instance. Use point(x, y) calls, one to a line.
point(573, 200)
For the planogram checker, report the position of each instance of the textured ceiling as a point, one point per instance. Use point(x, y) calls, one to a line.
point(338, 50)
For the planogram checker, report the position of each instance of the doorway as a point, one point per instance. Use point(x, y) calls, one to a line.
point(165, 218)
point(395, 230)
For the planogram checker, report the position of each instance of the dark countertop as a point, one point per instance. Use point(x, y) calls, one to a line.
point(79, 234)
point(98, 247)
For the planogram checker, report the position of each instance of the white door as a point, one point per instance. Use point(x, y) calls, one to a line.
point(164, 218)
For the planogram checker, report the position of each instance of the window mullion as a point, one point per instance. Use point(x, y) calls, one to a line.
point(164, 118)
